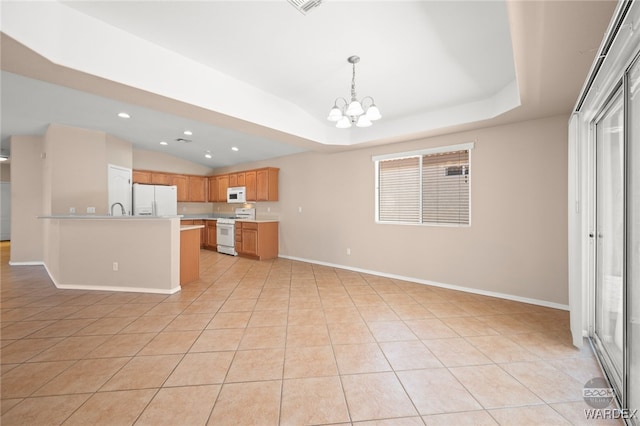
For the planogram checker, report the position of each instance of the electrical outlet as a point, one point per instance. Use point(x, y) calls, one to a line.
point(268, 209)
point(300, 209)
point(348, 252)
point(115, 266)
point(72, 210)
point(91, 210)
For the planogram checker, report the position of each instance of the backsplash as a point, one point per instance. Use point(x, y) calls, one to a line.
point(264, 210)
point(195, 208)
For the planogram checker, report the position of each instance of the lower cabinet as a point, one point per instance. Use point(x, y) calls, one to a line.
point(211, 238)
point(257, 240)
point(203, 232)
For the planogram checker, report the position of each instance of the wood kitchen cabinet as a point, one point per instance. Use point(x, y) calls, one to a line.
point(250, 185)
point(267, 184)
point(257, 240)
point(140, 176)
point(197, 189)
point(223, 184)
point(161, 178)
point(218, 188)
point(211, 238)
point(182, 183)
point(213, 189)
point(151, 178)
point(262, 184)
point(237, 179)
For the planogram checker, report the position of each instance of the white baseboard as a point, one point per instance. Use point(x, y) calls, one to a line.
point(437, 284)
point(120, 289)
point(31, 263)
point(110, 288)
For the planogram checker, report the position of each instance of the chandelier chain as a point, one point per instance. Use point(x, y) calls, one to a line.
point(353, 83)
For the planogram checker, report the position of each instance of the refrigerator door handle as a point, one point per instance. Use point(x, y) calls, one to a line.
point(154, 208)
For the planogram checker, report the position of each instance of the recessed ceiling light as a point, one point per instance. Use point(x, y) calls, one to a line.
point(188, 132)
point(123, 115)
point(208, 155)
point(235, 148)
point(164, 143)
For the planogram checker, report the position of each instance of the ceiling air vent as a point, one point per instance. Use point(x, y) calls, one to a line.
point(183, 140)
point(305, 6)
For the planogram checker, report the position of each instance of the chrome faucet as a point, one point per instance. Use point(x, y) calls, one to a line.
point(124, 213)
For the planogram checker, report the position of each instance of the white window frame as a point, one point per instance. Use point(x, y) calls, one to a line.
point(419, 153)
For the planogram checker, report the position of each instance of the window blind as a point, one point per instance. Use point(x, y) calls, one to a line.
point(431, 187)
point(445, 188)
point(399, 190)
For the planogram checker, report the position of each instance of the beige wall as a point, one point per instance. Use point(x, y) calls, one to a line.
point(77, 169)
point(119, 152)
point(5, 172)
point(161, 162)
point(26, 199)
point(516, 245)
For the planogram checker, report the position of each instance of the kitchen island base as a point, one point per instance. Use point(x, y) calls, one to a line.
point(133, 254)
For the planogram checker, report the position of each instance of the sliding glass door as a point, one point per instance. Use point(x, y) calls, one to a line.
point(610, 236)
point(617, 240)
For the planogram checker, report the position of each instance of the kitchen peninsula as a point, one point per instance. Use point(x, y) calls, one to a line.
point(114, 253)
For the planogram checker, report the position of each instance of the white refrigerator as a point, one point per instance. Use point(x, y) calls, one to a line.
point(155, 200)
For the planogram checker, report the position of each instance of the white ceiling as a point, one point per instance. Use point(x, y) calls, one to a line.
point(261, 76)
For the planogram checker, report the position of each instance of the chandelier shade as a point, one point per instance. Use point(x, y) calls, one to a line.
point(361, 113)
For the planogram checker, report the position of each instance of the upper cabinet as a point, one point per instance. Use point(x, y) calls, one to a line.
point(141, 176)
point(261, 184)
point(267, 184)
point(213, 189)
point(250, 185)
point(223, 184)
point(182, 182)
point(218, 188)
point(162, 179)
point(237, 179)
point(197, 189)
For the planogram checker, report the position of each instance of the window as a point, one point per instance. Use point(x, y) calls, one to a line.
point(424, 187)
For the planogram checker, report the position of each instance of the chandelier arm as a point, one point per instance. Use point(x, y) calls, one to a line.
point(364, 99)
point(340, 98)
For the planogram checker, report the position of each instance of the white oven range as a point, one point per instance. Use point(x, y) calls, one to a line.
point(226, 230)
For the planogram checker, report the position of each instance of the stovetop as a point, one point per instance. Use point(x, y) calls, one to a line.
point(241, 213)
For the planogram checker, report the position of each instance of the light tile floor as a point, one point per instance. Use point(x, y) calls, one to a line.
point(283, 342)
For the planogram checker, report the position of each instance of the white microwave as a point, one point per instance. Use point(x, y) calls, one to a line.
point(237, 194)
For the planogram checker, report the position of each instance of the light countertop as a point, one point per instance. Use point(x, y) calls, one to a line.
point(107, 217)
point(190, 227)
point(257, 220)
point(237, 220)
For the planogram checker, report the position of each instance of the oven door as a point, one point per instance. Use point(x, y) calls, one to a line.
point(225, 234)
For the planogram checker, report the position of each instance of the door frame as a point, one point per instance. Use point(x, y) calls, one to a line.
point(620, 381)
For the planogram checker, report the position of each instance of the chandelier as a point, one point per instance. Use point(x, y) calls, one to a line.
point(362, 114)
